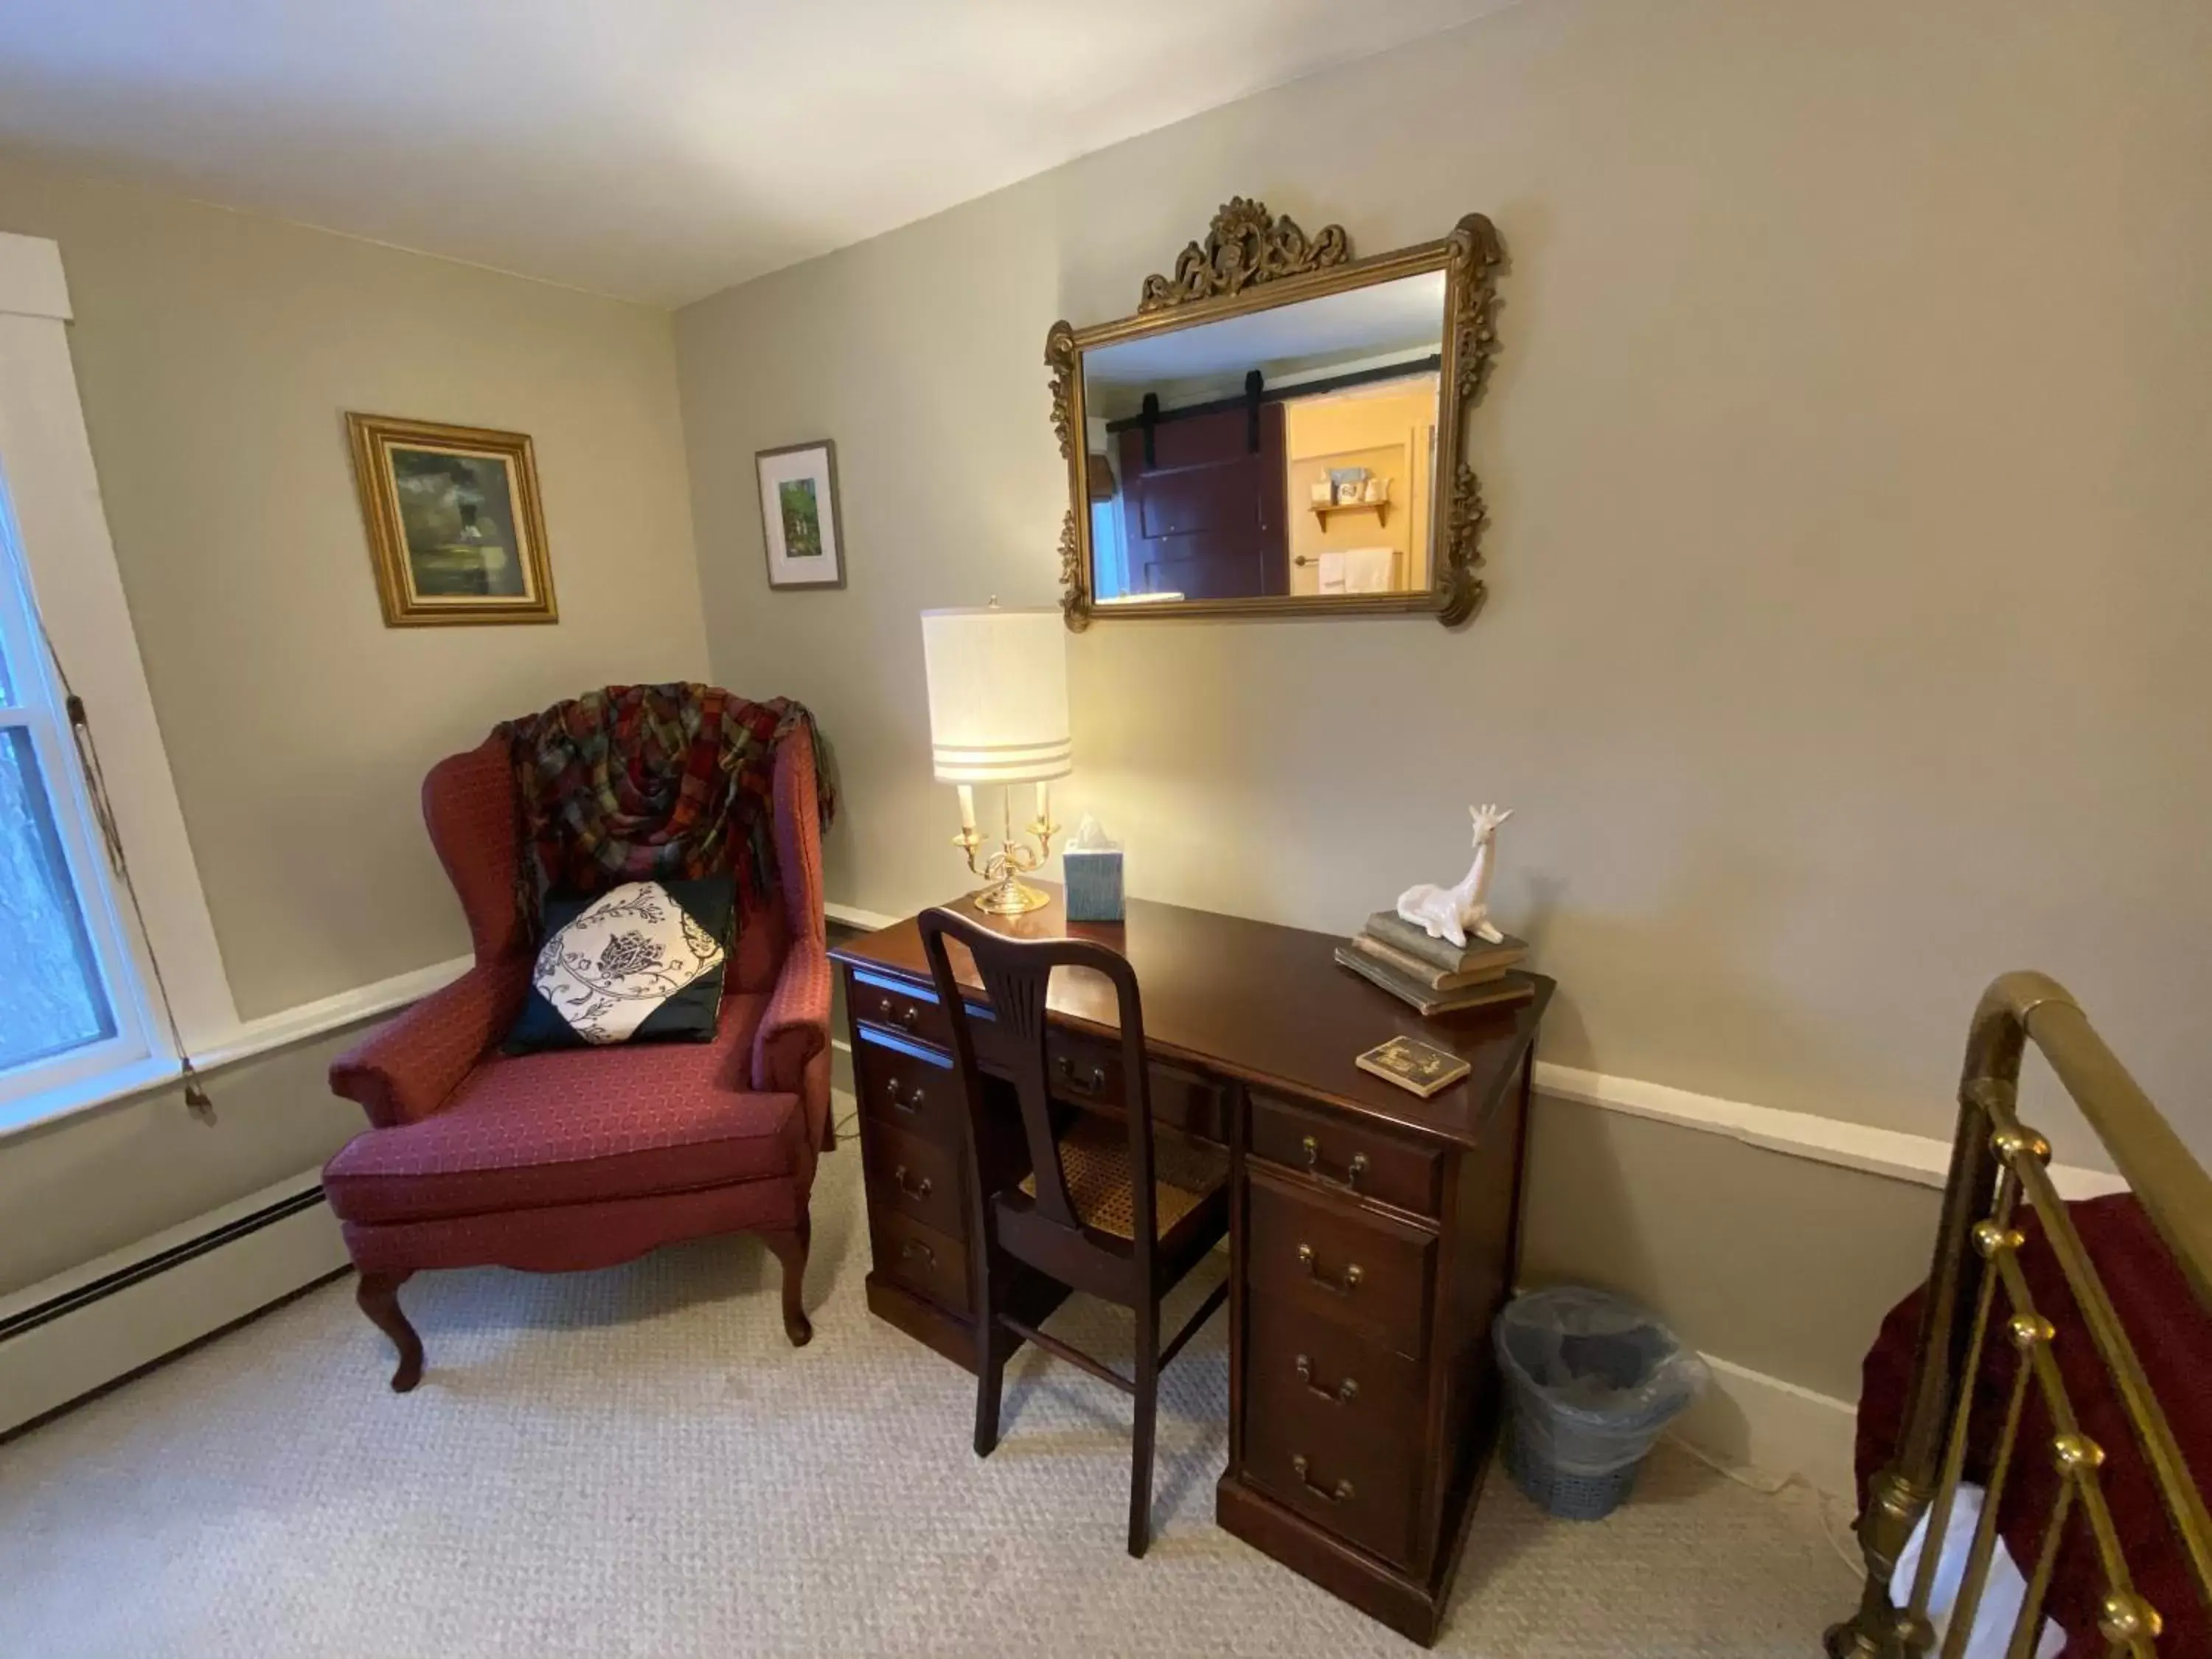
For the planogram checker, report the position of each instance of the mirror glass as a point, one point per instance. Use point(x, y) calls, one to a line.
point(1284, 452)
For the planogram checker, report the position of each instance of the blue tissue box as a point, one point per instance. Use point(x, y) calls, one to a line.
point(1093, 883)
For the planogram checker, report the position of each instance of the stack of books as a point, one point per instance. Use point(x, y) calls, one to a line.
point(1433, 975)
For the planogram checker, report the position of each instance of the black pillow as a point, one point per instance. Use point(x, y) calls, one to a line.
point(641, 963)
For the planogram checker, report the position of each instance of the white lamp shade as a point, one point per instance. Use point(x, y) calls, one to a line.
point(998, 695)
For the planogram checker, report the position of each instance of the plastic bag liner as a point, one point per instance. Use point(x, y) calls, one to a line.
point(1595, 1377)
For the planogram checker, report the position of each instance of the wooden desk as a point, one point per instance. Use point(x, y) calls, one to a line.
point(1373, 1234)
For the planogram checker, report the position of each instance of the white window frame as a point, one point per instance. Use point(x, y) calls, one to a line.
point(37, 705)
point(61, 567)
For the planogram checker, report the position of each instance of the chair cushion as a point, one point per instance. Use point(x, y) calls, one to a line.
point(579, 1125)
point(640, 962)
point(1094, 1162)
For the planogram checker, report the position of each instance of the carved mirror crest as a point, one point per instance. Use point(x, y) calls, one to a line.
point(1277, 430)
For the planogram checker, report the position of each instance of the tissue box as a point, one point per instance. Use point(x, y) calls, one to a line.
point(1093, 883)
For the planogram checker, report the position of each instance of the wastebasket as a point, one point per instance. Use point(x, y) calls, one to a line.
point(1593, 1378)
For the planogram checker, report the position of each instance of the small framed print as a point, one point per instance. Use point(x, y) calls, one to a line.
point(798, 515)
point(454, 524)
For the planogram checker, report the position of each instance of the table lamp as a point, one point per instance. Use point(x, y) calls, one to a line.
point(998, 714)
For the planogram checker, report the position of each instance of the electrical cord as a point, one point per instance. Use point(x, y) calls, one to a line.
point(1768, 1486)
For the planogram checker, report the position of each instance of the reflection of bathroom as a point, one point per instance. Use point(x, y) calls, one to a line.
point(1374, 444)
point(1319, 491)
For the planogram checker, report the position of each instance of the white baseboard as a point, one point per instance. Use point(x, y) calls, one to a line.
point(1745, 1419)
point(84, 1329)
point(312, 1019)
point(1922, 1160)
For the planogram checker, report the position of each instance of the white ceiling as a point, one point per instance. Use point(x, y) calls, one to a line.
point(1374, 321)
point(658, 149)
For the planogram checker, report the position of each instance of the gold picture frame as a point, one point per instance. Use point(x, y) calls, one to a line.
point(1252, 261)
point(456, 528)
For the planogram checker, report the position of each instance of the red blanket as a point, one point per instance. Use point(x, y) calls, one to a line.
point(2172, 1336)
point(642, 781)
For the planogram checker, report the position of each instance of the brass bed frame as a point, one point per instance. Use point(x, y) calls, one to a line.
point(1995, 1165)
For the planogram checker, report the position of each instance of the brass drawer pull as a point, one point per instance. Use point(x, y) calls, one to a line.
point(1353, 1170)
point(1342, 1395)
point(1340, 1493)
point(1093, 1084)
point(911, 1104)
point(1344, 1287)
point(911, 1247)
point(892, 1014)
point(914, 1190)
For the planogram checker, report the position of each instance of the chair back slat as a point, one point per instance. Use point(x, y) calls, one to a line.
point(1016, 980)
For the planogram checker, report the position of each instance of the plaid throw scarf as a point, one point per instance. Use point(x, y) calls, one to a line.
point(640, 782)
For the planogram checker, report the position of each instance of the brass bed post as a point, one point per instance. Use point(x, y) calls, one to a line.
point(1897, 1496)
point(1995, 1163)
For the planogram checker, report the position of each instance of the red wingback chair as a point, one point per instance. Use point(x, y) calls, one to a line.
point(584, 1158)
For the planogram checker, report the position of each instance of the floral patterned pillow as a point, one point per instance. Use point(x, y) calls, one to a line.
point(641, 963)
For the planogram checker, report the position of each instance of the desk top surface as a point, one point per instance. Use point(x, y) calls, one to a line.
point(1264, 1003)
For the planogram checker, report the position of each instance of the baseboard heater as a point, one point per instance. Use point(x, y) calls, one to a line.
point(77, 1333)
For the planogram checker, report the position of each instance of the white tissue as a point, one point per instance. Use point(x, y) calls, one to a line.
point(1090, 838)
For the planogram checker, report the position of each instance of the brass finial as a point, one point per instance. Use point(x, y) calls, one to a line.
point(2076, 1453)
point(2011, 1143)
point(2126, 1616)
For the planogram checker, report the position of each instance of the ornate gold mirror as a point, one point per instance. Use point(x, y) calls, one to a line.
point(1277, 431)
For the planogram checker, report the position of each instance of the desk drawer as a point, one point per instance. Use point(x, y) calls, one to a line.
point(1361, 1481)
point(901, 1088)
point(1349, 1265)
point(1336, 1154)
point(908, 1009)
point(919, 1257)
point(1089, 1071)
point(914, 1178)
point(1358, 1391)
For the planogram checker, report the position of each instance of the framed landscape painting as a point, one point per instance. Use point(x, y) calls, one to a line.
point(455, 527)
point(798, 515)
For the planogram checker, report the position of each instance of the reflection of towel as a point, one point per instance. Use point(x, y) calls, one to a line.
point(1356, 570)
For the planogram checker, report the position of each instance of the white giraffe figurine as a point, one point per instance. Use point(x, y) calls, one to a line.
point(1453, 912)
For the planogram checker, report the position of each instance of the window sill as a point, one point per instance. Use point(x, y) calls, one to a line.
point(138, 1077)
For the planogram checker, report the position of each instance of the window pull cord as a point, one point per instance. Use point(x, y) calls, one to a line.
point(197, 1100)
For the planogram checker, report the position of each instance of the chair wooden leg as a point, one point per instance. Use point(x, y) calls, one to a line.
point(1140, 1452)
point(991, 1344)
point(378, 1296)
point(790, 1248)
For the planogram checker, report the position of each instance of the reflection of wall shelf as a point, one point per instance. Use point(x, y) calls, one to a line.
point(1380, 509)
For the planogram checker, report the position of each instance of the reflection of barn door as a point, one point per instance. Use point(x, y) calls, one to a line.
point(1205, 519)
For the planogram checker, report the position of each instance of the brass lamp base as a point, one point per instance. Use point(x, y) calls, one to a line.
point(1011, 898)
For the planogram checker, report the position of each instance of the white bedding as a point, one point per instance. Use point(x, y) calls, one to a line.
point(2000, 1596)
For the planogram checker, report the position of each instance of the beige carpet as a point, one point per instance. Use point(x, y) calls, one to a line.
point(634, 1463)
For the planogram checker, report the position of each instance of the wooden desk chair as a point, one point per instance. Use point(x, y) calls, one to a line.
point(1106, 1209)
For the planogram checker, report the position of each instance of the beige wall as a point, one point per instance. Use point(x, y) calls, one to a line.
point(1778, 1263)
point(1847, 457)
point(217, 354)
point(74, 1189)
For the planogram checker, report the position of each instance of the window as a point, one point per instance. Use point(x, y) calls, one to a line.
point(70, 1007)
